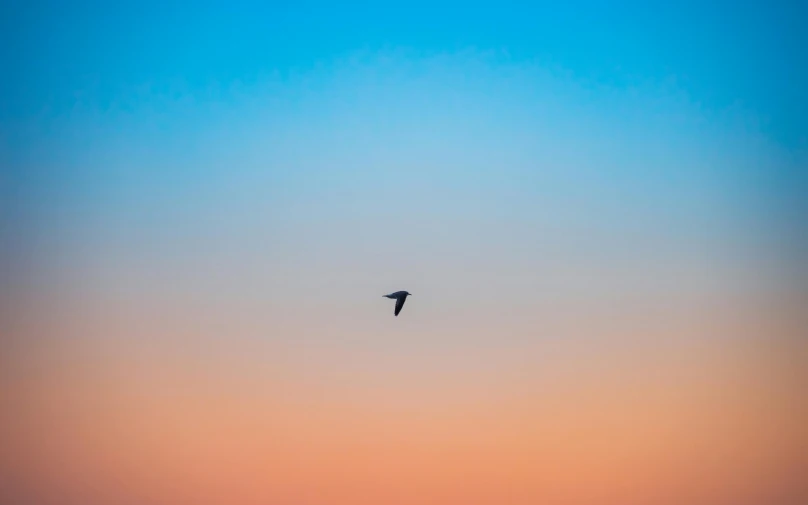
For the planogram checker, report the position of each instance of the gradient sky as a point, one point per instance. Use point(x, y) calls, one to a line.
point(599, 209)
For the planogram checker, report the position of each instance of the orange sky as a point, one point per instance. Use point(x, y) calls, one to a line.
point(718, 422)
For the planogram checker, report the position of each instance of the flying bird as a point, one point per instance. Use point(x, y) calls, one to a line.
point(399, 297)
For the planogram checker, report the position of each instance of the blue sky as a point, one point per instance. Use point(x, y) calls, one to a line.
point(723, 54)
point(161, 120)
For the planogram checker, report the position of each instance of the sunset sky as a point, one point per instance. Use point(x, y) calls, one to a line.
point(598, 207)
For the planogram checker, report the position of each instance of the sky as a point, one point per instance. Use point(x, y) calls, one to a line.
point(598, 207)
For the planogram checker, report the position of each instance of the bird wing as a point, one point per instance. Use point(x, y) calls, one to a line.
point(400, 303)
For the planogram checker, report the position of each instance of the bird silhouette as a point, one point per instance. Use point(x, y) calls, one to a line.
point(399, 297)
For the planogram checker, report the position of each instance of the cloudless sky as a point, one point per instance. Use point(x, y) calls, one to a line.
point(591, 126)
point(721, 53)
point(611, 192)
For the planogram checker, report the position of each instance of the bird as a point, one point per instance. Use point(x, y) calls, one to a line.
point(399, 297)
